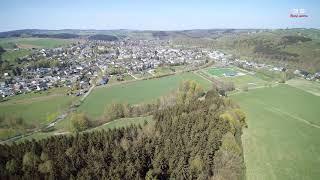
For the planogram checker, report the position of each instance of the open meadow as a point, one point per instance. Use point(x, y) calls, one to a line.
point(309, 86)
point(28, 43)
point(12, 55)
point(135, 92)
point(35, 109)
point(123, 122)
point(281, 141)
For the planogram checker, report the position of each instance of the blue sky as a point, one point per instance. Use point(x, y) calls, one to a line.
point(156, 14)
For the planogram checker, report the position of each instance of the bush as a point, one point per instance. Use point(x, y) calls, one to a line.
point(245, 88)
point(80, 122)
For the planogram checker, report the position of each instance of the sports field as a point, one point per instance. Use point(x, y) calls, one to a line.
point(220, 72)
point(246, 80)
point(136, 92)
point(282, 138)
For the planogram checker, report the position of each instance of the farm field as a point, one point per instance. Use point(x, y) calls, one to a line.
point(309, 86)
point(14, 54)
point(9, 43)
point(136, 92)
point(35, 107)
point(36, 111)
point(281, 141)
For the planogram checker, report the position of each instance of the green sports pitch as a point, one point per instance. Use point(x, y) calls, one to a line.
point(220, 72)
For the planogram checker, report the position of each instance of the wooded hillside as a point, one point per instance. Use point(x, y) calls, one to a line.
point(195, 135)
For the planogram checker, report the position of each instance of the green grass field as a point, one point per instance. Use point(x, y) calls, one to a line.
point(36, 111)
point(163, 70)
point(220, 71)
point(14, 54)
point(142, 75)
point(246, 80)
point(9, 43)
point(123, 122)
point(135, 92)
point(282, 139)
point(309, 86)
point(35, 107)
point(118, 123)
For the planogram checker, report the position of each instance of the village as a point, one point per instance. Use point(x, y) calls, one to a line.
point(85, 63)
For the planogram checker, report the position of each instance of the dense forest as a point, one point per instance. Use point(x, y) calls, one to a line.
point(59, 36)
point(194, 135)
point(103, 37)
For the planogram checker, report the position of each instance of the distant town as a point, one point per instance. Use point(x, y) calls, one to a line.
point(93, 62)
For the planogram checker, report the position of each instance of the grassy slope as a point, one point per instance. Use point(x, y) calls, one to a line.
point(135, 92)
point(309, 86)
point(36, 111)
point(278, 144)
point(12, 55)
point(123, 122)
point(118, 123)
point(34, 107)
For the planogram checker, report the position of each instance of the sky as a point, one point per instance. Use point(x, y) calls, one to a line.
point(156, 14)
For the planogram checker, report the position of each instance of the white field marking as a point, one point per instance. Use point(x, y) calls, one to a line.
point(61, 133)
point(134, 76)
point(104, 124)
point(251, 88)
point(312, 90)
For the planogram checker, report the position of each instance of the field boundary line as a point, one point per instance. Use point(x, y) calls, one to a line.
point(274, 109)
point(271, 108)
point(197, 73)
point(294, 117)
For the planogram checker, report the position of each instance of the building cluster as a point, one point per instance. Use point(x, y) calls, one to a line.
point(81, 64)
point(227, 60)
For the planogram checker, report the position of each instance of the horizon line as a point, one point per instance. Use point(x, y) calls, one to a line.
point(172, 30)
